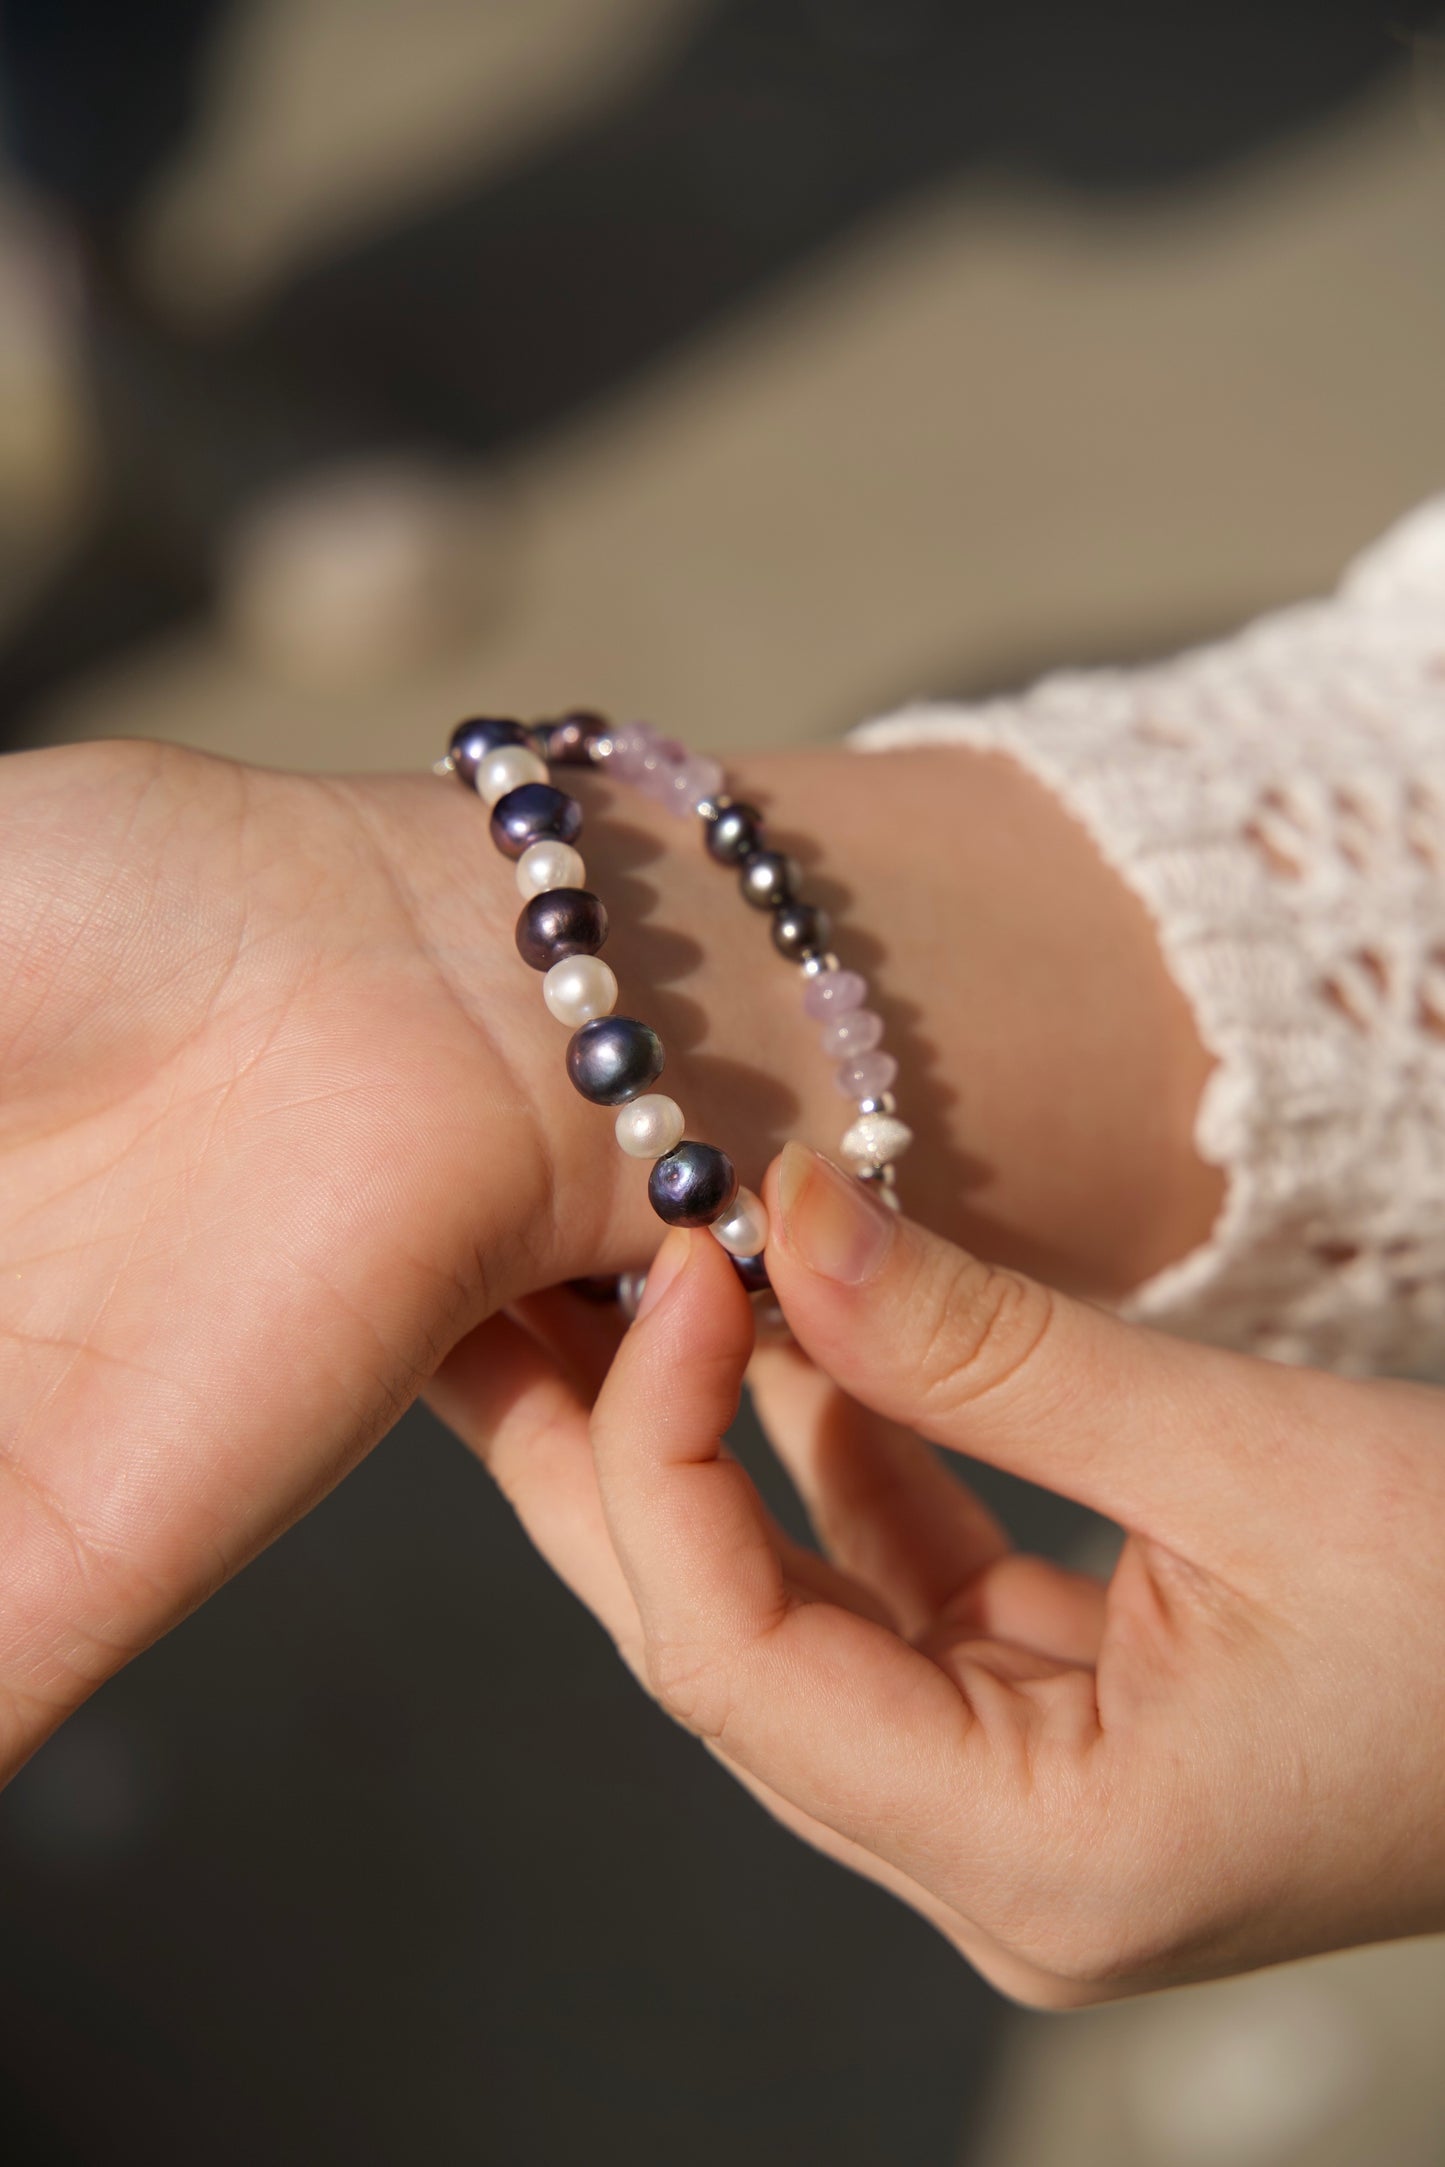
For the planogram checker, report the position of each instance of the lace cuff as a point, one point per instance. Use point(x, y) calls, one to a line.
point(1277, 802)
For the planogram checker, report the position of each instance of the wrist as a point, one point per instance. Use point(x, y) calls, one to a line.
point(1049, 1067)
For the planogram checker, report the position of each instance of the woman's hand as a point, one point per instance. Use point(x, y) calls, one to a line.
point(1230, 1755)
point(282, 1116)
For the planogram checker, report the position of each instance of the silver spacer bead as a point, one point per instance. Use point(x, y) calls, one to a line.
point(814, 966)
point(629, 1292)
point(445, 766)
point(884, 1176)
point(883, 1103)
point(602, 748)
point(711, 809)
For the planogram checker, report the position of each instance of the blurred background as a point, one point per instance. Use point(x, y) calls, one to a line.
point(748, 364)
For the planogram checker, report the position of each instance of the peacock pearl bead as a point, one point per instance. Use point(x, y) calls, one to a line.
point(834, 994)
point(753, 1272)
point(579, 989)
point(613, 1058)
point(568, 741)
point(736, 834)
point(692, 1185)
point(650, 1126)
point(800, 929)
point(550, 865)
point(857, 1032)
point(769, 879)
point(507, 768)
point(535, 813)
point(743, 1227)
point(563, 922)
point(480, 734)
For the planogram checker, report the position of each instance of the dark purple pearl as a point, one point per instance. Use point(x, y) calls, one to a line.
point(692, 1185)
point(534, 813)
point(800, 930)
point(736, 834)
point(474, 739)
point(612, 1058)
point(753, 1273)
point(568, 741)
point(560, 922)
point(768, 879)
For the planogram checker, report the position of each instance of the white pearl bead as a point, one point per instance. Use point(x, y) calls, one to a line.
point(875, 1139)
point(507, 769)
point(649, 1126)
point(579, 988)
point(743, 1228)
point(543, 866)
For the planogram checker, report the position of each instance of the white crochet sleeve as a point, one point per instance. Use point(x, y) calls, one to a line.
point(1278, 804)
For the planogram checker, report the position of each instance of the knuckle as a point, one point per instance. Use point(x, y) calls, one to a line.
point(690, 1686)
point(979, 1325)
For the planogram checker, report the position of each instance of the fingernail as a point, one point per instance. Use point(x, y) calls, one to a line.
point(829, 1220)
point(664, 1269)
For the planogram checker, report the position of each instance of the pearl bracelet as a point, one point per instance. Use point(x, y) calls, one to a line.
point(614, 1060)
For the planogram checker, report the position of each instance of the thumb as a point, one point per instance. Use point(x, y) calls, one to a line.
point(987, 1362)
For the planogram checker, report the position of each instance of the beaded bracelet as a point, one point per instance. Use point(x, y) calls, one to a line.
point(613, 1060)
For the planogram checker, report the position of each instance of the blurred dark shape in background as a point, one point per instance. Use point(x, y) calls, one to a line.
point(495, 314)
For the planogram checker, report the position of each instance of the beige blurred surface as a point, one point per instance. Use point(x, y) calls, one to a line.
point(998, 429)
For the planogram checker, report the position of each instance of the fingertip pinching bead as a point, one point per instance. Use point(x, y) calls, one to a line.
point(579, 989)
point(613, 1058)
point(743, 1227)
point(650, 1126)
point(692, 1185)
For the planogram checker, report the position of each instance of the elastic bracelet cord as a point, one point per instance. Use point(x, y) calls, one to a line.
point(614, 1060)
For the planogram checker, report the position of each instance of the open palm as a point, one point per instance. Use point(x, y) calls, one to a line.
point(264, 1153)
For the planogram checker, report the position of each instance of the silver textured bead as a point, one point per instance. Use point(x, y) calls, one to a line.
point(874, 1139)
point(815, 966)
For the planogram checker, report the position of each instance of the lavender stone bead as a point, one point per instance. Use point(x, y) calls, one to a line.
point(868, 1076)
point(859, 1031)
point(834, 994)
point(534, 813)
point(697, 778)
